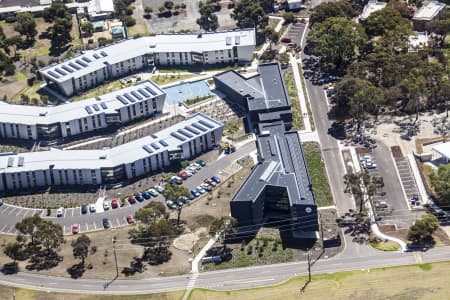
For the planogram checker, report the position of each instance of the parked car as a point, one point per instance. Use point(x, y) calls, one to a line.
point(206, 187)
point(195, 192)
point(179, 202)
point(286, 39)
point(106, 205)
point(175, 180)
point(192, 169)
point(1, 202)
point(201, 162)
point(130, 219)
point(381, 204)
point(146, 195)
point(106, 223)
point(84, 209)
point(200, 189)
point(92, 208)
point(367, 162)
point(196, 166)
point(183, 175)
point(210, 182)
point(171, 204)
point(191, 196)
point(60, 212)
point(75, 228)
point(216, 179)
point(153, 192)
point(114, 203)
point(188, 172)
point(183, 199)
point(159, 188)
point(139, 197)
point(131, 200)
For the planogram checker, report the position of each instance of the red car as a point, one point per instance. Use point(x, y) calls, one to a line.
point(130, 219)
point(114, 203)
point(210, 182)
point(183, 175)
point(131, 200)
point(286, 39)
point(75, 228)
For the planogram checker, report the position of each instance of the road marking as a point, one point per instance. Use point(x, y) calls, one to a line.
point(12, 210)
point(118, 223)
point(19, 212)
point(3, 228)
point(249, 281)
point(73, 209)
point(418, 257)
point(10, 229)
point(95, 226)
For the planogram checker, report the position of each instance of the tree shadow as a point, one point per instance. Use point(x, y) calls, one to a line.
point(136, 266)
point(10, 268)
point(44, 260)
point(76, 271)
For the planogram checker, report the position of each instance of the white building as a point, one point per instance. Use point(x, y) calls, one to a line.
point(294, 4)
point(93, 67)
point(417, 41)
point(427, 13)
point(371, 7)
point(58, 122)
point(185, 140)
point(443, 150)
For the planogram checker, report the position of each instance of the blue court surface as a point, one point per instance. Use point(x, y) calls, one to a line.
point(186, 90)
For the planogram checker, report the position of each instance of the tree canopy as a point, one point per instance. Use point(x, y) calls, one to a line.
point(441, 183)
point(386, 19)
point(80, 247)
point(338, 42)
point(175, 191)
point(248, 14)
point(327, 10)
point(422, 230)
point(208, 19)
point(26, 25)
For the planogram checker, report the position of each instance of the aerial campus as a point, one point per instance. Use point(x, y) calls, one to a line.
point(222, 149)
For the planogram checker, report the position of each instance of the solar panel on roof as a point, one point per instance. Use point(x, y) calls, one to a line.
point(86, 59)
point(81, 63)
point(21, 160)
point(164, 143)
point(136, 95)
point(150, 91)
point(95, 106)
point(53, 74)
point(194, 131)
point(122, 99)
point(60, 71)
point(228, 40)
point(128, 96)
point(148, 149)
point(96, 56)
point(237, 40)
point(196, 125)
point(10, 162)
point(74, 66)
point(66, 68)
point(144, 93)
point(205, 124)
point(176, 135)
point(104, 54)
point(155, 145)
point(88, 109)
point(184, 132)
point(103, 105)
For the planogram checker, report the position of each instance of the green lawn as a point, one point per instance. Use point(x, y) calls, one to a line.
point(101, 90)
point(139, 28)
point(297, 119)
point(316, 168)
point(426, 281)
point(162, 79)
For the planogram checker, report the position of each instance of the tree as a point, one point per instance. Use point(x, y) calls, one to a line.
point(249, 14)
point(422, 230)
point(129, 21)
point(168, 4)
point(441, 27)
point(14, 251)
point(28, 226)
point(208, 19)
point(59, 32)
point(87, 28)
point(148, 10)
point(225, 225)
point(327, 10)
point(49, 235)
point(402, 7)
point(289, 17)
point(362, 186)
point(80, 247)
point(56, 10)
point(15, 42)
point(440, 182)
point(270, 35)
point(174, 191)
point(26, 25)
point(338, 42)
point(386, 19)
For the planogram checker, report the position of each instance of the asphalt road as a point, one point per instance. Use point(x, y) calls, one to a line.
point(10, 215)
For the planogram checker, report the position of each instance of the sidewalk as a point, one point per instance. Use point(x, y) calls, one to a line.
point(301, 95)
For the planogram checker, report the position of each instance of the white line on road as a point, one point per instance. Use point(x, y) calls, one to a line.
point(73, 209)
point(249, 281)
point(3, 228)
point(12, 210)
point(95, 226)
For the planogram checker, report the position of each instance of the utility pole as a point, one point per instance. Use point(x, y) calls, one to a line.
point(115, 256)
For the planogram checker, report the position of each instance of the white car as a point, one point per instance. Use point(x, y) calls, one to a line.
point(153, 192)
point(60, 212)
point(196, 166)
point(92, 208)
point(200, 189)
point(206, 187)
point(188, 172)
point(192, 169)
point(106, 205)
point(159, 188)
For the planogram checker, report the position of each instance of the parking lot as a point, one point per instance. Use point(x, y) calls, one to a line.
point(10, 215)
point(295, 32)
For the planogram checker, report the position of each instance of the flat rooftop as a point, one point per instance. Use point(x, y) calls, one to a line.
point(371, 7)
point(108, 104)
point(167, 139)
point(281, 163)
point(429, 11)
point(92, 60)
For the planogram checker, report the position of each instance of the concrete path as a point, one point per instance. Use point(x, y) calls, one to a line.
point(301, 94)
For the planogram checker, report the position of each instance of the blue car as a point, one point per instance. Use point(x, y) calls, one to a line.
point(139, 197)
point(146, 195)
point(191, 196)
point(195, 192)
point(1, 202)
point(216, 179)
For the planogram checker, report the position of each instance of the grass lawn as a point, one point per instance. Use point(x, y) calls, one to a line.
point(427, 281)
point(305, 93)
point(316, 168)
point(139, 28)
point(162, 79)
point(297, 119)
point(101, 90)
point(384, 245)
point(23, 294)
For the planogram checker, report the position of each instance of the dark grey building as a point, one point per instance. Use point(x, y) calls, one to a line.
point(278, 192)
point(264, 96)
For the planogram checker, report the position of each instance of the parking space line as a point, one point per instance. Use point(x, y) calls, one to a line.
point(10, 229)
point(73, 209)
point(95, 226)
point(3, 228)
point(7, 209)
point(118, 223)
point(12, 210)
